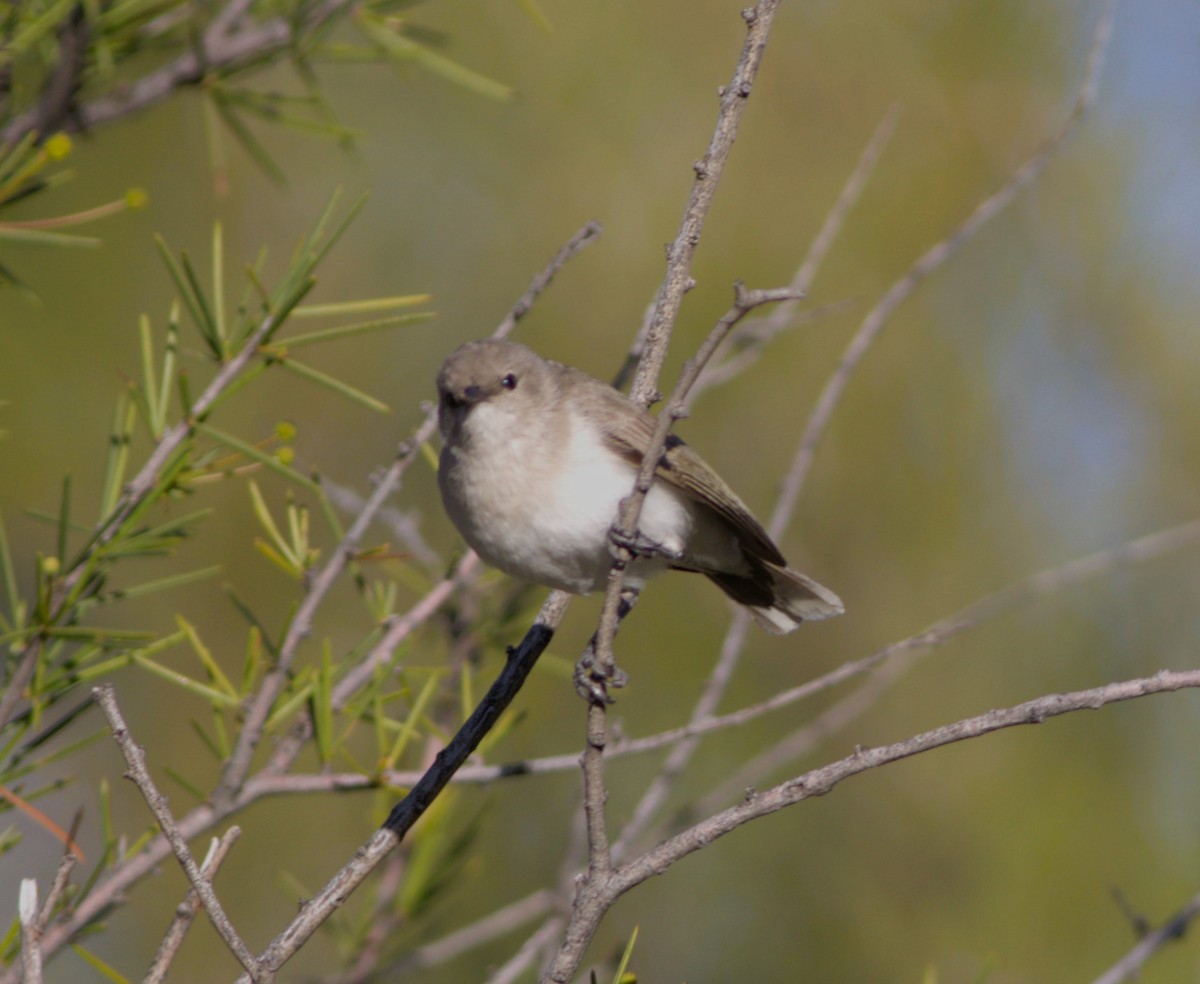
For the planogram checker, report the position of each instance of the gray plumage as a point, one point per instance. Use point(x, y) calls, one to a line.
point(537, 458)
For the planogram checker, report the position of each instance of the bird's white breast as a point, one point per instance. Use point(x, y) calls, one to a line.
point(540, 505)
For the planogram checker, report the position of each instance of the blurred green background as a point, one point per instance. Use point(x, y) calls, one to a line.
point(1036, 400)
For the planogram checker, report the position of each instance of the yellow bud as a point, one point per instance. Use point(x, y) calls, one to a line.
point(136, 198)
point(285, 430)
point(285, 456)
point(50, 566)
point(58, 146)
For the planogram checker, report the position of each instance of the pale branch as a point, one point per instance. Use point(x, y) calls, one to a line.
point(513, 969)
point(820, 781)
point(520, 661)
point(186, 911)
point(894, 661)
point(617, 599)
point(404, 524)
point(657, 792)
point(274, 682)
point(630, 510)
point(587, 915)
point(111, 889)
point(676, 283)
point(756, 333)
point(1130, 965)
point(938, 255)
point(581, 240)
point(135, 758)
point(58, 888)
point(386, 918)
point(1036, 586)
point(491, 927)
point(678, 280)
point(400, 627)
point(31, 947)
point(238, 765)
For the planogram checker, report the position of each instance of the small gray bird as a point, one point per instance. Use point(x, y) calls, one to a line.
point(537, 459)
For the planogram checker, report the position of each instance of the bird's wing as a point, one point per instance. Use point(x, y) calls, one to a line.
point(628, 431)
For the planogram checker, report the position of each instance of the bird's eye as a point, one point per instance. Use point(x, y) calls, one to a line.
point(509, 382)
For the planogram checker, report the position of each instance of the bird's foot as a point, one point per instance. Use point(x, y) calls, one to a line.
point(592, 678)
point(640, 545)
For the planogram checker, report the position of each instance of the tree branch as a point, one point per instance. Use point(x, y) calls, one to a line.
point(135, 758)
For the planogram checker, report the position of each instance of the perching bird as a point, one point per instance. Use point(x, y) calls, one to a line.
point(536, 460)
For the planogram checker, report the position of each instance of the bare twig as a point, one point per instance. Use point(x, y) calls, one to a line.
point(1150, 943)
point(485, 930)
point(413, 806)
point(784, 315)
point(581, 240)
point(58, 888)
point(514, 968)
point(185, 912)
point(938, 255)
point(273, 684)
point(31, 950)
point(1032, 588)
point(135, 758)
point(111, 888)
point(223, 46)
point(818, 782)
point(678, 280)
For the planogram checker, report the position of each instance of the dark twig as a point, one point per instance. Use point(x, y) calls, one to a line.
point(414, 805)
point(1150, 943)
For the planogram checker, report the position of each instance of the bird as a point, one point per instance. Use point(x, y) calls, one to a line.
point(535, 461)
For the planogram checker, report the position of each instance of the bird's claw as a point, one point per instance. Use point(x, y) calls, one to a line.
point(592, 680)
point(640, 545)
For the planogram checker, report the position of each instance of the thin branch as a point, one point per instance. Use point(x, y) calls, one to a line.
point(757, 333)
point(273, 684)
point(585, 916)
point(1173, 929)
point(513, 969)
point(186, 911)
point(58, 889)
point(31, 950)
point(491, 927)
point(1036, 586)
point(898, 658)
point(820, 781)
point(402, 626)
point(135, 492)
point(678, 280)
point(520, 661)
point(222, 48)
point(580, 241)
point(135, 758)
point(112, 888)
point(939, 254)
